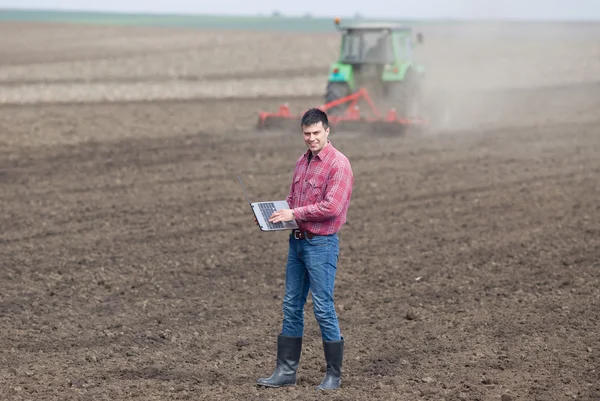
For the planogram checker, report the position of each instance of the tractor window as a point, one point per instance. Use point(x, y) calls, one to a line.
point(373, 47)
point(404, 47)
point(408, 48)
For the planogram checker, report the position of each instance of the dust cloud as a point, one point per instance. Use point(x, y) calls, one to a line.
point(514, 74)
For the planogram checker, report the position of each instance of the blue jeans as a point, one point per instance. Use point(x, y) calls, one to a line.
point(311, 264)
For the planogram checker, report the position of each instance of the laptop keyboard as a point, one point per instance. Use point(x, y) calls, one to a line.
point(267, 210)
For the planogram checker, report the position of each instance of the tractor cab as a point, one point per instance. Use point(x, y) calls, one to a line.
point(361, 46)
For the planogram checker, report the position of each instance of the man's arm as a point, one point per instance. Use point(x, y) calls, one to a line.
point(290, 196)
point(336, 194)
point(286, 214)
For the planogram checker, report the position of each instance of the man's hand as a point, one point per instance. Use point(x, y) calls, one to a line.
point(281, 215)
point(256, 221)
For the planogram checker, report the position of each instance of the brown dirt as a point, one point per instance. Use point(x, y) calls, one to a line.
point(131, 268)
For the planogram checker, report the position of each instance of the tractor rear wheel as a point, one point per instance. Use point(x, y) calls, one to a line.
point(404, 95)
point(335, 91)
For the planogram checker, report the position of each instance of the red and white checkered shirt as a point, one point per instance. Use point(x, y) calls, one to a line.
point(321, 190)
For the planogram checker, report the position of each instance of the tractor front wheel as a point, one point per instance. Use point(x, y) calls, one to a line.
point(335, 91)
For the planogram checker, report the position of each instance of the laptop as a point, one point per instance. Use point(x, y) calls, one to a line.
point(263, 210)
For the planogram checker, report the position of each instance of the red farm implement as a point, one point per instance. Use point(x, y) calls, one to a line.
point(350, 120)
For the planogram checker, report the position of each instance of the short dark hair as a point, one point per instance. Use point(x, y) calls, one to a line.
point(313, 116)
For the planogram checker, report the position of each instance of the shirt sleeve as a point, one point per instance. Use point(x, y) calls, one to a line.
point(338, 188)
point(290, 196)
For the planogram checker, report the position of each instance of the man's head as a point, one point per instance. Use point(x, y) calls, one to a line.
point(315, 126)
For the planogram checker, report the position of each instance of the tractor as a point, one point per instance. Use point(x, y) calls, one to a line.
point(379, 57)
point(376, 64)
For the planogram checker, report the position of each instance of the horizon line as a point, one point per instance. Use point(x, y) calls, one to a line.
point(272, 15)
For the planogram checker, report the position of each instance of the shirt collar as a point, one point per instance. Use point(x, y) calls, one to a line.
point(324, 153)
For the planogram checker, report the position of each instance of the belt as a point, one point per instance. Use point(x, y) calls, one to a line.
point(302, 235)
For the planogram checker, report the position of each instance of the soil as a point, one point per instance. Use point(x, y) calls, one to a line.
point(132, 269)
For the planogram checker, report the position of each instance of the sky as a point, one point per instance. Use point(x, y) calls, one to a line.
point(421, 9)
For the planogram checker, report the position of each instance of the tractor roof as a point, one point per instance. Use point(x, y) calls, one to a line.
point(376, 26)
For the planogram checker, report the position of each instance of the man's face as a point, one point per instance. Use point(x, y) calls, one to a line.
point(315, 136)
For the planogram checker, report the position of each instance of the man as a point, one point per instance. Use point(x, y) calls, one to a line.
point(319, 197)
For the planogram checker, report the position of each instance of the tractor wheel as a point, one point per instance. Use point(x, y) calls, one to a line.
point(335, 91)
point(404, 95)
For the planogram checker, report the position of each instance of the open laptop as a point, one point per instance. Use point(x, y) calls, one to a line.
point(263, 210)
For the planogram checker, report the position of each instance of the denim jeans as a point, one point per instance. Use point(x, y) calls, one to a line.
point(311, 264)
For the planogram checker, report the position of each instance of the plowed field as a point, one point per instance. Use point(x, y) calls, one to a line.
point(132, 269)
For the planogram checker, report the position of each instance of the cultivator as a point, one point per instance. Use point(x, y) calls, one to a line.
point(350, 120)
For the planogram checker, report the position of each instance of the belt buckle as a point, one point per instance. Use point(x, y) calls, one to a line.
point(297, 234)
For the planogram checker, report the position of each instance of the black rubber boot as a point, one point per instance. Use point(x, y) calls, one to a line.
point(334, 355)
point(288, 356)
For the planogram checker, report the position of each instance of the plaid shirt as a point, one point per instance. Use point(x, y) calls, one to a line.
point(320, 191)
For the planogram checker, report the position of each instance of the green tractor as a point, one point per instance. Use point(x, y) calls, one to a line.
point(381, 58)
